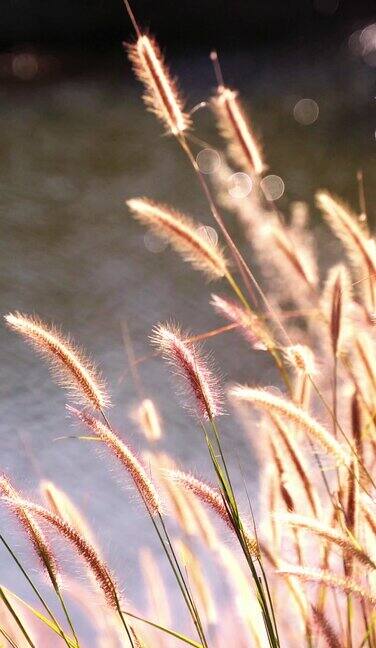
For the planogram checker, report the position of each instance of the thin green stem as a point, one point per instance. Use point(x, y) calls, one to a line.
point(174, 563)
point(65, 610)
point(124, 623)
point(168, 631)
point(35, 589)
point(181, 580)
point(8, 638)
point(229, 499)
point(16, 618)
point(237, 290)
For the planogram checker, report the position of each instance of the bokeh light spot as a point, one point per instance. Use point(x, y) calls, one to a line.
point(367, 40)
point(240, 185)
point(209, 234)
point(306, 111)
point(153, 243)
point(273, 187)
point(362, 42)
point(25, 66)
point(327, 7)
point(354, 43)
point(208, 160)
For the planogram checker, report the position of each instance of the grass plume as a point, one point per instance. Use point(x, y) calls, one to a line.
point(233, 125)
point(266, 401)
point(69, 366)
point(31, 527)
point(329, 579)
point(161, 94)
point(182, 234)
point(125, 456)
point(212, 498)
point(200, 386)
point(82, 547)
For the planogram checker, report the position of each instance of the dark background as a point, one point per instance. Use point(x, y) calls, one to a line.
point(92, 24)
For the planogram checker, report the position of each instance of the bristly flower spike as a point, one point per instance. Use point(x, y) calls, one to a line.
point(161, 94)
point(81, 545)
point(33, 531)
point(250, 325)
point(272, 404)
point(69, 365)
point(358, 244)
point(349, 547)
point(330, 579)
point(301, 358)
point(213, 499)
point(242, 144)
point(203, 393)
point(59, 502)
point(149, 420)
point(336, 302)
point(182, 234)
point(328, 633)
point(126, 457)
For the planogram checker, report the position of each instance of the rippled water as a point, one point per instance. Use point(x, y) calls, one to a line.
point(71, 150)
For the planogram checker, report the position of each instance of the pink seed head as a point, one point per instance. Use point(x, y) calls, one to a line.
point(200, 386)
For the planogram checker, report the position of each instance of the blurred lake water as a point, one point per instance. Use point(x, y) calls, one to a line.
point(72, 149)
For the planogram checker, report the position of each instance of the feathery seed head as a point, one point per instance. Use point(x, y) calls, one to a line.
point(242, 144)
point(183, 235)
point(125, 456)
point(70, 367)
point(357, 426)
point(149, 420)
point(352, 511)
point(206, 493)
point(35, 534)
point(336, 303)
point(180, 504)
point(358, 245)
point(296, 256)
point(301, 358)
point(265, 400)
point(249, 323)
point(161, 93)
point(348, 546)
point(368, 510)
point(82, 547)
point(330, 579)
point(59, 502)
point(324, 626)
point(363, 346)
point(212, 498)
point(203, 394)
point(297, 460)
point(284, 487)
point(187, 509)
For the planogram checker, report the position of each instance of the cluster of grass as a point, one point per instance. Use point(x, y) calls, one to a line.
point(304, 574)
